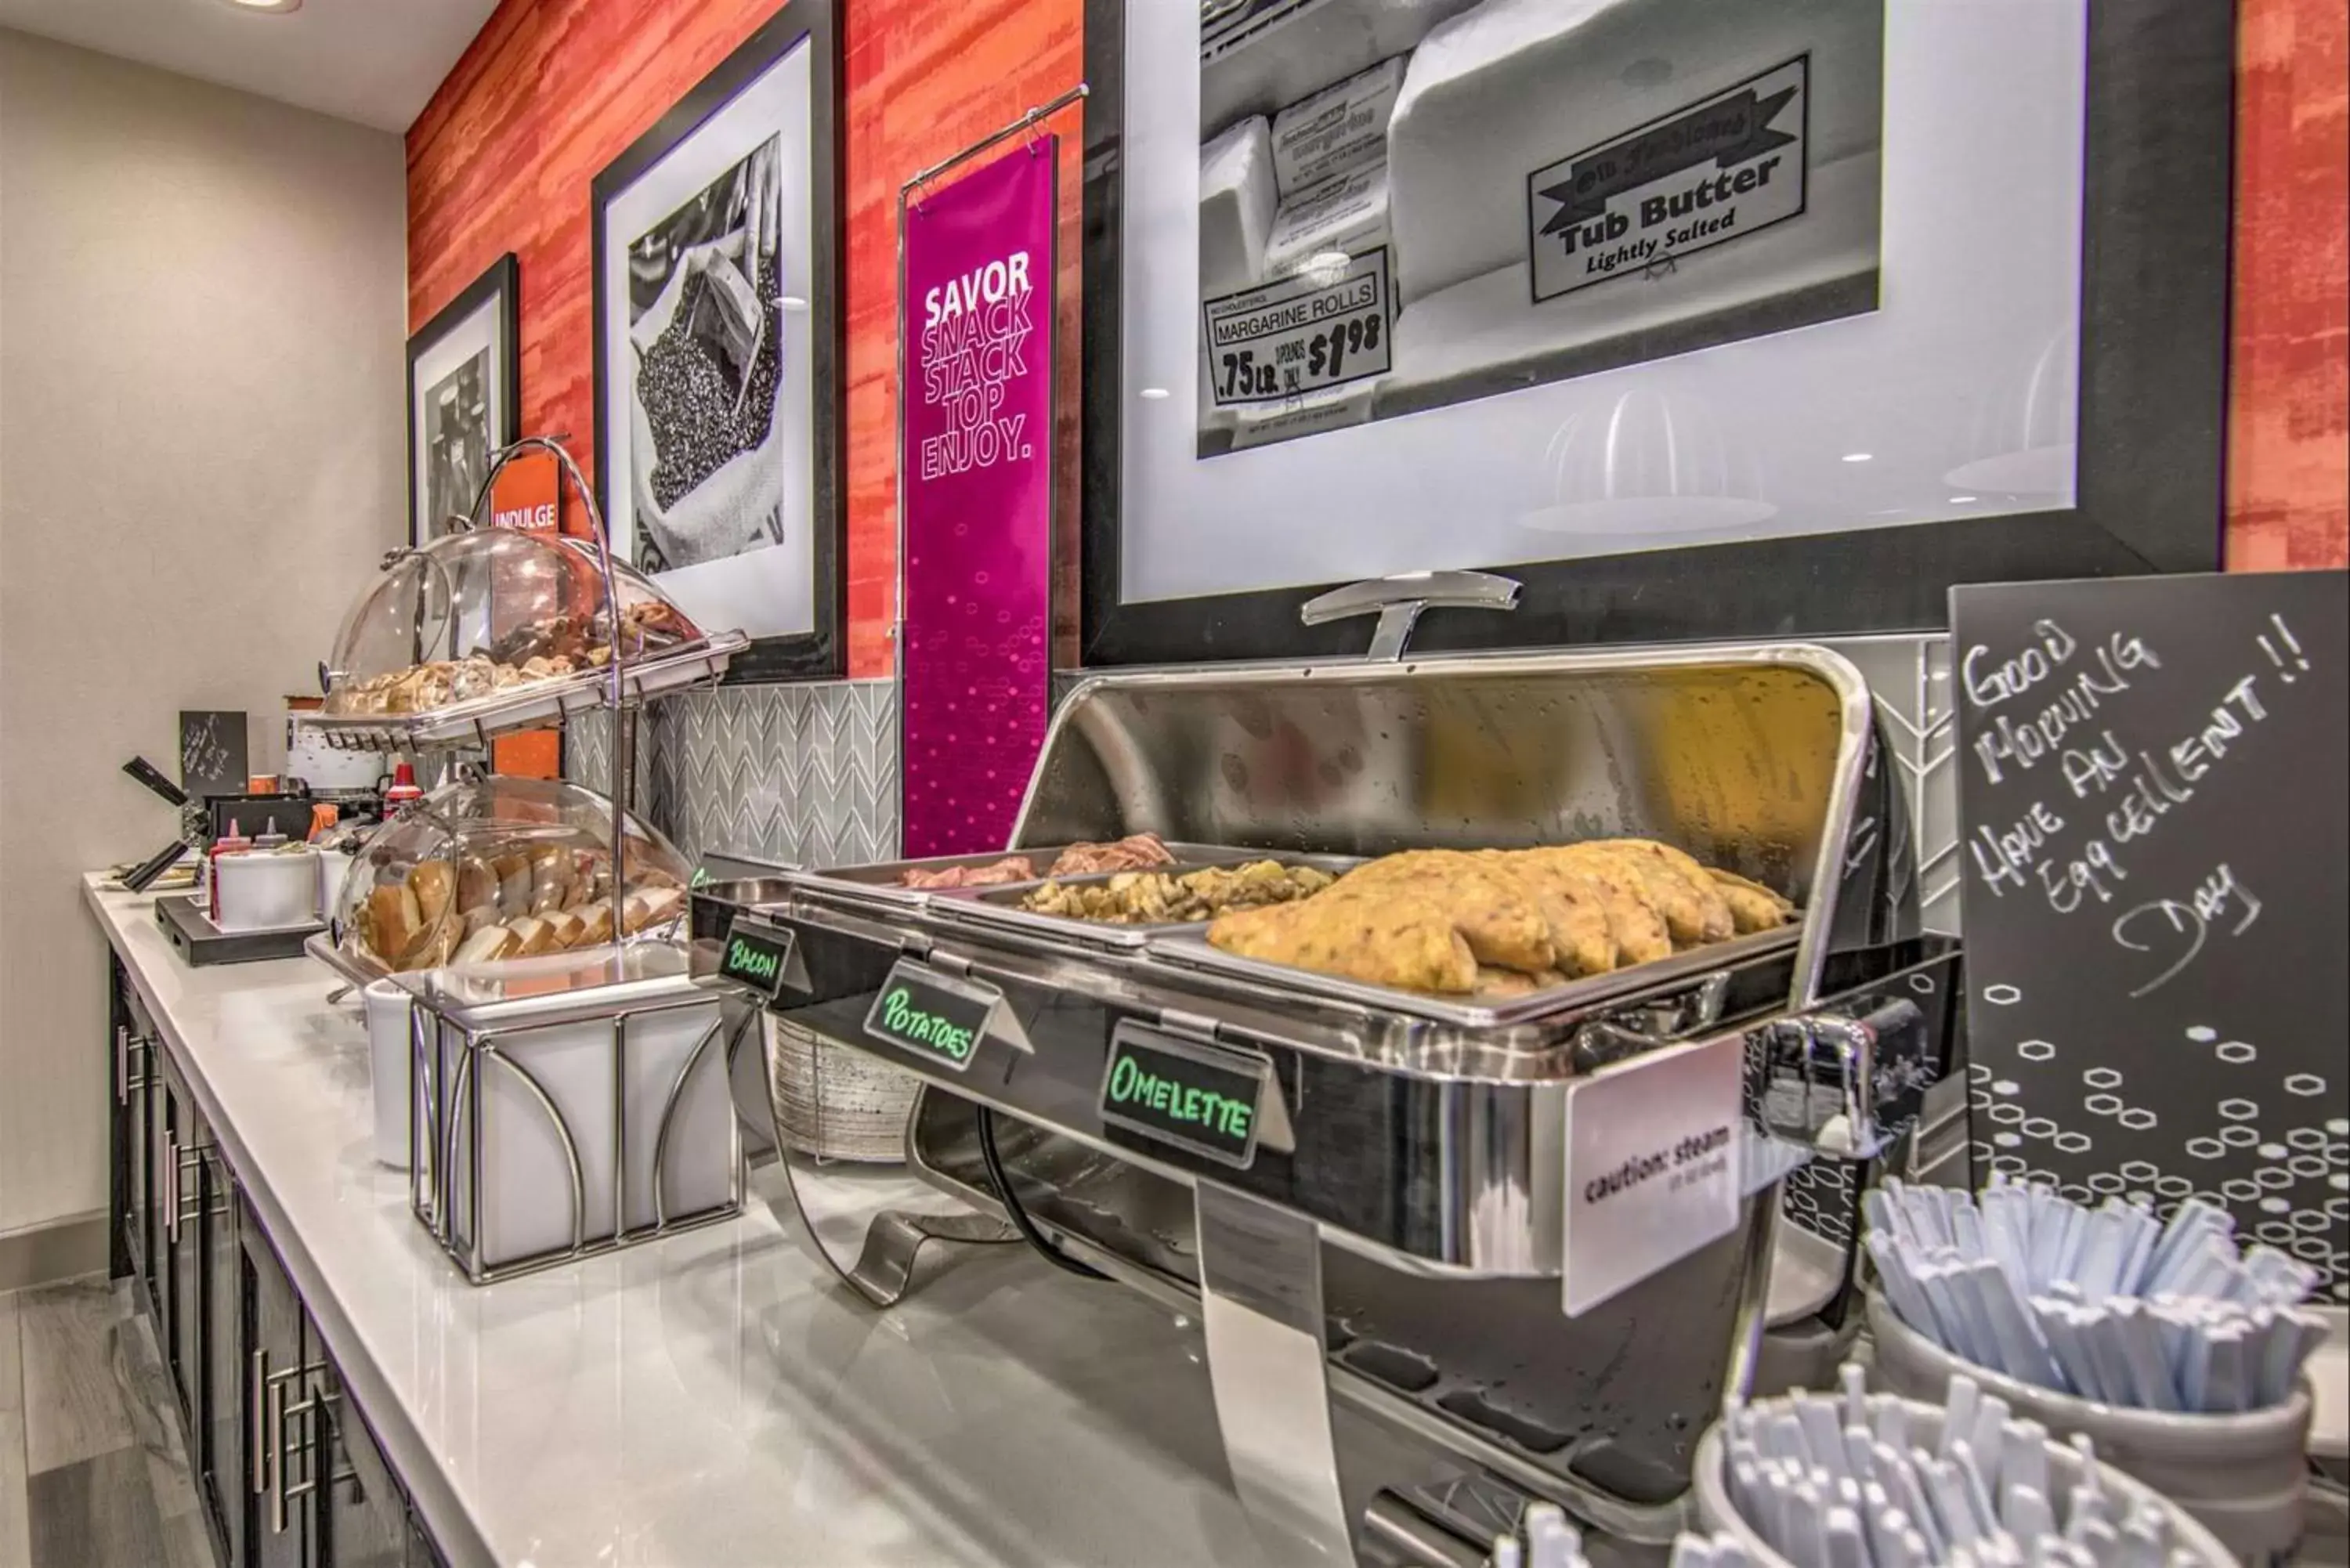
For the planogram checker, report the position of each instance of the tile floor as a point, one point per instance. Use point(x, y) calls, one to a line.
point(92, 1471)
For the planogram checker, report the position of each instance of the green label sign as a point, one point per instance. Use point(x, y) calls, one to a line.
point(1204, 1098)
point(923, 1010)
point(756, 955)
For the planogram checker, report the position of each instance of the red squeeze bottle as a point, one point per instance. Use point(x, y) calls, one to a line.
point(403, 788)
point(233, 842)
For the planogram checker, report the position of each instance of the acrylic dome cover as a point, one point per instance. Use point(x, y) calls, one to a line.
point(503, 867)
point(474, 614)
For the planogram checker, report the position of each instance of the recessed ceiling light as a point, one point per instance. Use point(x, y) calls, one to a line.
point(1858, 456)
point(1961, 499)
point(265, 7)
point(1153, 393)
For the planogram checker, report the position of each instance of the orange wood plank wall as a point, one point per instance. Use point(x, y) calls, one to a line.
point(2288, 424)
point(551, 90)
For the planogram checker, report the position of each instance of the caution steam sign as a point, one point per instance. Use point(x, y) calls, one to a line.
point(1704, 176)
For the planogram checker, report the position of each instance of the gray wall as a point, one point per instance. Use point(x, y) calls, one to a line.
point(203, 309)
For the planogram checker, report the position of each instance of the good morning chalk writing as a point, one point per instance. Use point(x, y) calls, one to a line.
point(2047, 720)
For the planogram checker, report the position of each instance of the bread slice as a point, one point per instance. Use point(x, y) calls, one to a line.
point(485, 946)
point(532, 934)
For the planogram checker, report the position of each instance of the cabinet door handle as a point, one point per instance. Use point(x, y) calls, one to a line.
point(272, 1447)
point(273, 1437)
point(177, 1164)
point(129, 1048)
point(256, 1409)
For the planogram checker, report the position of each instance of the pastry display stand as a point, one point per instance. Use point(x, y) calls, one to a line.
point(621, 686)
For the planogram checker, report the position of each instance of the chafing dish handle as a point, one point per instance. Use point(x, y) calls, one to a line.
point(1829, 1077)
point(1400, 599)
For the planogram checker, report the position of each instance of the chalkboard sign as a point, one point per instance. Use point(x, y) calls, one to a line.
point(211, 753)
point(1200, 1098)
point(2153, 774)
point(756, 956)
point(918, 1009)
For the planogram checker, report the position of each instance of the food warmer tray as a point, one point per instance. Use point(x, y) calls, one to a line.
point(1410, 1154)
point(538, 705)
point(999, 906)
point(1181, 946)
point(877, 883)
point(1762, 759)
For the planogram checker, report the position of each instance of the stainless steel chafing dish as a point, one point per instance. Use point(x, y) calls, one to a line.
point(1394, 1236)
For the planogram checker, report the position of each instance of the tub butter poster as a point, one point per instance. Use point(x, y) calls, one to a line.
point(976, 439)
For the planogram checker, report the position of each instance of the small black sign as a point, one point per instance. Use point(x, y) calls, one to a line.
point(932, 1014)
point(756, 955)
point(1204, 1098)
point(2151, 772)
point(212, 754)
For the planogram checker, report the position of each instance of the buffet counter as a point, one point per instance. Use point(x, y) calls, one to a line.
point(711, 1398)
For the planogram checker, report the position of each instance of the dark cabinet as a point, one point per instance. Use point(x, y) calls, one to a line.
point(285, 1463)
point(220, 1472)
point(277, 1510)
point(362, 1518)
point(183, 1148)
point(134, 1147)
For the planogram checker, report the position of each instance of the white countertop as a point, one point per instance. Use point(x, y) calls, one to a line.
point(714, 1399)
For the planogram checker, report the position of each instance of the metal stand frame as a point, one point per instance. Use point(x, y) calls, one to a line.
point(436, 1145)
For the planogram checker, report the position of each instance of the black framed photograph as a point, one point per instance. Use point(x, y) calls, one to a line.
point(465, 399)
point(1700, 320)
point(718, 349)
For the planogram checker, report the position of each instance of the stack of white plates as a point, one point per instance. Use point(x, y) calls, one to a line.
point(833, 1103)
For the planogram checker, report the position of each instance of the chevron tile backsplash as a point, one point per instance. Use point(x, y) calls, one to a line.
point(808, 774)
point(804, 775)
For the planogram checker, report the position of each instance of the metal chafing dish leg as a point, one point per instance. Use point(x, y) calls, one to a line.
point(1268, 1362)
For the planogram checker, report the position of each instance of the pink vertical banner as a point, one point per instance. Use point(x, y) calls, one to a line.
point(975, 440)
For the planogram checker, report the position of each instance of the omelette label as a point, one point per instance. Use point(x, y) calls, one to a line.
point(1708, 173)
point(934, 1015)
point(1653, 1151)
point(1202, 1098)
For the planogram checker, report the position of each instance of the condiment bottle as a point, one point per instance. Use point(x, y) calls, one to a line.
point(403, 788)
point(269, 837)
point(233, 842)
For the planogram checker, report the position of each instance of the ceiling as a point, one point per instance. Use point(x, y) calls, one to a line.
point(373, 61)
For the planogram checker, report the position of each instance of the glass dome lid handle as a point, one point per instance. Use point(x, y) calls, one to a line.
point(623, 730)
